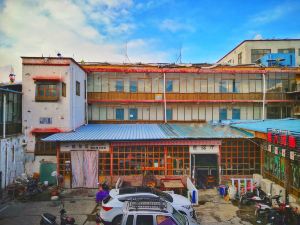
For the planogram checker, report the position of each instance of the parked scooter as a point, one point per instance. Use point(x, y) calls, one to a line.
point(49, 219)
point(255, 196)
point(263, 209)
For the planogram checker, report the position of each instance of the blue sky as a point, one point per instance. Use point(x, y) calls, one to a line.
point(154, 30)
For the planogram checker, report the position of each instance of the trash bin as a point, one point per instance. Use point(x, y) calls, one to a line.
point(222, 190)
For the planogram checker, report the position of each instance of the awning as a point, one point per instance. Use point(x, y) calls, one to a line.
point(47, 78)
point(45, 130)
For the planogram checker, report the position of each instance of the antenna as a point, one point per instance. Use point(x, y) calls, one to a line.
point(127, 60)
point(180, 55)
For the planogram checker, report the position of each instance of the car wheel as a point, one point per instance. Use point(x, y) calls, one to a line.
point(117, 220)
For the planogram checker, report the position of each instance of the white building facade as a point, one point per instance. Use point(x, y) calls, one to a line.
point(54, 100)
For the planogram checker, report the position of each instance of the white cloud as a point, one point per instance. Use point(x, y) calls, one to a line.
point(174, 26)
point(274, 13)
point(33, 28)
point(258, 37)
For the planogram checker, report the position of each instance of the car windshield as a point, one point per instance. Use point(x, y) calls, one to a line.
point(163, 195)
point(179, 217)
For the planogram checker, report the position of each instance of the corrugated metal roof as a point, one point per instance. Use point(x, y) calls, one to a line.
point(207, 131)
point(262, 126)
point(126, 132)
point(111, 132)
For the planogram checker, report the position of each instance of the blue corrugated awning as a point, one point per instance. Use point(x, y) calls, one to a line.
point(262, 126)
point(131, 132)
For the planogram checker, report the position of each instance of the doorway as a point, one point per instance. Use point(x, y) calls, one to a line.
point(84, 169)
point(205, 167)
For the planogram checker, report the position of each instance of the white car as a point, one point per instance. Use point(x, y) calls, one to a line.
point(111, 211)
point(153, 212)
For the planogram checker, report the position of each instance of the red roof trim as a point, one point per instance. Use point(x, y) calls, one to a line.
point(184, 101)
point(174, 70)
point(168, 142)
point(46, 130)
point(47, 78)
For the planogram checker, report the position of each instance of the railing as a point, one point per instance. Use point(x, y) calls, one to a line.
point(115, 96)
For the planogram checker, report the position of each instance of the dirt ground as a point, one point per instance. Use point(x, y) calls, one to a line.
point(80, 203)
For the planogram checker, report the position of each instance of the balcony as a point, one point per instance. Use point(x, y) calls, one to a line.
point(186, 97)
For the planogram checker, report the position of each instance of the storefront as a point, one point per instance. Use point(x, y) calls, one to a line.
point(282, 160)
point(206, 161)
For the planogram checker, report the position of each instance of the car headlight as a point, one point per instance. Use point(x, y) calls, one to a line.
point(188, 207)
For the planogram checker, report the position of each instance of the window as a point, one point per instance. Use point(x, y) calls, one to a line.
point(63, 89)
point(164, 220)
point(46, 92)
point(240, 58)
point(273, 112)
point(133, 86)
point(144, 220)
point(133, 114)
point(119, 86)
point(286, 50)
point(169, 114)
point(226, 86)
point(45, 120)
point(129, 220)
point(119, 114)
point(169, 86)
point(258, 53)
point(239, 157)
point(299, 52)
point(77, 88)
point(43, 147)
point(223, 114)
point(236, 114)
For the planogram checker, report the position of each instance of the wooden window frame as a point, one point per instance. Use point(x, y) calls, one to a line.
point(45, 87)
point(63, 89)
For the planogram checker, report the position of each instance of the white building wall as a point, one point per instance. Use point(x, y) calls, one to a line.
point(246, 47)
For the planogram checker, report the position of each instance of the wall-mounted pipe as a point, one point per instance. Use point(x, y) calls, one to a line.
point(165, 100)
point(4, 115)
point(264, 96)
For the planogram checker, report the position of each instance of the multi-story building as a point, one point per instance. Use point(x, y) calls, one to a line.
point(12, 141)
point(136, 93)
point(163, 95)
point(249, 51)
point(54, 100)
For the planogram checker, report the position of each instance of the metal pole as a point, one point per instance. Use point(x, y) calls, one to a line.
point(264, 96)
point(86, 103)
point(165, 100)
point(4, 115)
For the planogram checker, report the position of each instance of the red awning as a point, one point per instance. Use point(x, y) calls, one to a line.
point(46, 130)
point(47, 78)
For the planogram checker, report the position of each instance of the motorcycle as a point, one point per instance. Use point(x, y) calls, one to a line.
point(251, 197)
point(49, 219)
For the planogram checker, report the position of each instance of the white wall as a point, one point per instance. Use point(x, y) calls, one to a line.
point(246, 47)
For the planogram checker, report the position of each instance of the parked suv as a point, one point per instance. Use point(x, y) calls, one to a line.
point(111, 210)
point(154, 211)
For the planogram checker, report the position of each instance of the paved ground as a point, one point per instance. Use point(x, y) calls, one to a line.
point(214, 210)
point(80, 204)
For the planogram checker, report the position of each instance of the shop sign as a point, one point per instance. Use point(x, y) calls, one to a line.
point(269, 148)
point(283, 152)
point(204, 149)
point(292, 155)
point(276, 150)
